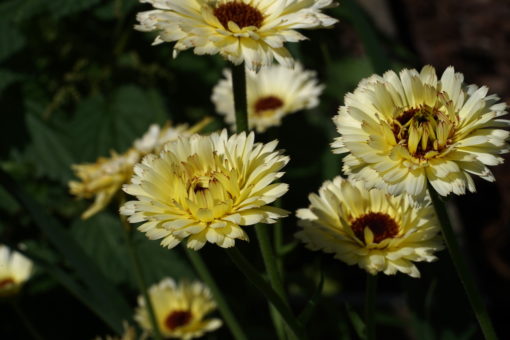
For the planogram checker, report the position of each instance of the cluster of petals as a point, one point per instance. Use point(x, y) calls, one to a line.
point(15, 270)
point(272, 93)
point(253, 31)
point(402, 131)
point(370, 228)
point(204, 188)
point(180, 309)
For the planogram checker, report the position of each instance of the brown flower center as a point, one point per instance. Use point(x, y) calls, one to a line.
point(382, 226)
point(6, 282)
point(178, 318)
point(242, 14)
point(267, 103)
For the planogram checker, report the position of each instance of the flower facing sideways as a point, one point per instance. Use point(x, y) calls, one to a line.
point(15, 270)
point(204, 188)
point(403, 130)
point(180, 309)
point(371, 228)
point(273, 93)
point(253, 31)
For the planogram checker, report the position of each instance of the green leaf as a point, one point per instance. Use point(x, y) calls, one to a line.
point(7, 78)
point(311, 305)
point(61, 8)
point(356, 321)
point(11, 40)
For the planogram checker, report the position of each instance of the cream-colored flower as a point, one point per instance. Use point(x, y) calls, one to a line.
point(273, 93)
point(180, 309)
point(402, 130)
point(15, 269)
point(103, 179)
point(253, 31)
point(129, 334)
point(371, 228)
point(205, 188)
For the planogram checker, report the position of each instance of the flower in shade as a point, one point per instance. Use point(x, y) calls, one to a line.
point(371, 228)
point(204, 188)
point(273, 93)
point(402, 131)
point(15, 269)
point(103, 179)
point(253, 31)
point(180, 309)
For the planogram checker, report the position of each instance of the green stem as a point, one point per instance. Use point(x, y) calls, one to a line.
point(462, 270)
point(26, 322)
point(370, 306)
point(224, 308)
point(142, 285)
point(258, 281)
point(240, 97)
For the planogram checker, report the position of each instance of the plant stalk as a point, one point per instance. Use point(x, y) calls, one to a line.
point(26, 321)
point(370, 306)
point(240, 97)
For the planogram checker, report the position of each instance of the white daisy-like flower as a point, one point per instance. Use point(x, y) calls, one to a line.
point(401, 131)
point(180, 309)
point(15, 270)
point(272, 93)
point(377, 231)
point(253, 31)
point(204, 188)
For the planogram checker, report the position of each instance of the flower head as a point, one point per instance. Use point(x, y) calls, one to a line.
point(103, 179)
point(205, 188)
point(15, 269)
point(180, 309)
point(253, 31)
point(402, 130)
point(273, 93)
point(371, 228)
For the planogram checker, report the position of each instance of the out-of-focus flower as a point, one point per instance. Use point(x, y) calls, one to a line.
point(371, 228)
point(180, 309)
point(15, 270)
point(103, 179)
point(272, 93)
point(129, 334)
point(205, 188)
point(402, 130)
point(239, 30)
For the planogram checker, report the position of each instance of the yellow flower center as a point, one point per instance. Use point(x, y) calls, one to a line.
point(6, 282)
point(177, 318)
point(381, 225)
point(242, 14)
point(267, 103)
point(425, 131)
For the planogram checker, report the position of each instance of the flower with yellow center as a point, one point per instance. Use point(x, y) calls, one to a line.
point(371, 228)
point(253, 31)
point(273, 93)
point(180, 309)
point(403, 130)
point(205, 188)
point(103, 179)
point(15, 270)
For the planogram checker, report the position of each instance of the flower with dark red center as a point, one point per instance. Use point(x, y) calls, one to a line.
point(371, 228)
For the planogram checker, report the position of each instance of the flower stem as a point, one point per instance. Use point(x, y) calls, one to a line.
point(224, 308)
point(240, 97)
point(142, 285)
point(259, 282)
point(462, 270)
point(370, 306)
point(26, 321)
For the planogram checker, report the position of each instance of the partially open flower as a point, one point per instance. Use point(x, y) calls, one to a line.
point(15, 270)
point(371, 228)
point(403, 130)
point(180, 309)
point(205, 188)
point(239, 30)
point(273, 93)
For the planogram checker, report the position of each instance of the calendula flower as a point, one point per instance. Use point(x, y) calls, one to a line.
point(15, 270)
point(103, 179)
point(253, 31)
point(371, 228)
point(205, 188)
point(273, 93)
point(403, 130)
point(180, 309)
point(129, 334)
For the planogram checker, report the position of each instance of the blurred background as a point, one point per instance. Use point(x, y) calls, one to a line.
point(77, 81)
